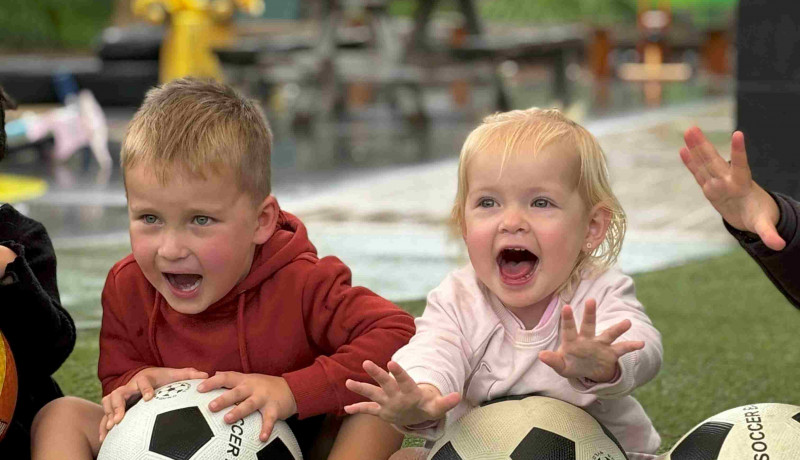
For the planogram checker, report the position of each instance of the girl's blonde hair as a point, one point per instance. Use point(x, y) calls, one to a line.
point(530, 131)
point(200, 126)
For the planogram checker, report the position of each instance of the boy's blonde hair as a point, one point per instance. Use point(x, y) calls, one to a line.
point(200, 127)
point(530, 131)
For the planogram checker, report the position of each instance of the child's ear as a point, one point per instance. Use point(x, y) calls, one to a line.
point(268, 212)
point(599, 220)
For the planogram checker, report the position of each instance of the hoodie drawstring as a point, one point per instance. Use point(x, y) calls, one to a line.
point(242, 339)
point(240, 331)
point(151, 331)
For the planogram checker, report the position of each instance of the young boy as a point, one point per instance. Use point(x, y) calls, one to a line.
point(221, 282)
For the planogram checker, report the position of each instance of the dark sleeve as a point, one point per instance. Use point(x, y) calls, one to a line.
point(781, 267)
point(40, 332)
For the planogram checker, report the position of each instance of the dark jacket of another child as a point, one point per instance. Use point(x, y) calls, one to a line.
point(40, 333)
point(782, 267)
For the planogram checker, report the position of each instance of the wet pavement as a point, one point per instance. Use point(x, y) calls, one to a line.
point(377, 193)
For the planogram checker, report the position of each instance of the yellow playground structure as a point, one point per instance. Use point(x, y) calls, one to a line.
point(194, 27)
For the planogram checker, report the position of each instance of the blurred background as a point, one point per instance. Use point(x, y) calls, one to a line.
point(370, 101)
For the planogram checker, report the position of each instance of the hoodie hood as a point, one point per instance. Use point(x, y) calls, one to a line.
point(289, 241)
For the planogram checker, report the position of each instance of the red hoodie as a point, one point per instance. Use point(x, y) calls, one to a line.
point(294, 315)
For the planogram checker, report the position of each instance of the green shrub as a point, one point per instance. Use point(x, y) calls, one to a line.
point(52, 24)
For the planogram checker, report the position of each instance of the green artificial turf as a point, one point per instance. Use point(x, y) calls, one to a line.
point(729, 337)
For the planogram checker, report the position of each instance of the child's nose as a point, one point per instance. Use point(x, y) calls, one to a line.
point(171, 246)
point(514, 221)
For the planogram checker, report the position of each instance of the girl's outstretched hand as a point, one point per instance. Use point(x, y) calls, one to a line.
point(584, 354)
point(399, 399)
point(730, 188)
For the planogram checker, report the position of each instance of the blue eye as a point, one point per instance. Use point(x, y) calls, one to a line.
point(149, 219)
point(540, 203)
point(486, 203)
point(202, 220)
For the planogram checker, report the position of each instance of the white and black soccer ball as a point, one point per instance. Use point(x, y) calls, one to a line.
point(176, 424)
point(767, 431)
point(533, 427)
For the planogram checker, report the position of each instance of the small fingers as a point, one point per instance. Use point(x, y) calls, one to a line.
point(614, 332)
point(692, 165)
point(103, 430)
point(705, 155)
point(624, 348)
point(144, 387)
point(769, 234)
point(739, 154)
point(267, 423)
point(589, 321)
point(568, 329)
point(384, 379)
point(554, 360)
point(444, 404)
point(366, 390)
point(117, 407)
point(404, 381)
point(228, 399)
point(220, 380)
point(369, 407)
point(242, 410)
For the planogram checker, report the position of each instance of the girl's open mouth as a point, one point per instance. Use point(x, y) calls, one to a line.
point(517, 265)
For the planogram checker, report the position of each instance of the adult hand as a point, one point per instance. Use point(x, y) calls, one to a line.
point(730, 188)
point(585, 355)
point(269, 394)
point(142, 383)
point(399, 399)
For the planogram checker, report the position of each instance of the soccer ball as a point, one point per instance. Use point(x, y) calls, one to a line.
point(766, 431)
point(533, 427)
point(177, 424)
point(8, 385)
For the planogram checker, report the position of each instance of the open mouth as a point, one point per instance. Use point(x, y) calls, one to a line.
point(517, 265)
point(183, 282)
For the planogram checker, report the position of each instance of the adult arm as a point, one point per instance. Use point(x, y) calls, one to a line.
point(781, 267)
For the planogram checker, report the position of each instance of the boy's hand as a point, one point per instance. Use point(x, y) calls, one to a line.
point(6, 257)
point(251, 392)
point(730, 187)
point(399, 399)
point(141, 383)
point(584, 355)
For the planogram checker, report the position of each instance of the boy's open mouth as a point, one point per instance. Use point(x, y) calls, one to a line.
point(184, 282)
point(517, 265)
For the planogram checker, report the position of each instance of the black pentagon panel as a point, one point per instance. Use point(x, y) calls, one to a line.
point(276, 450)
point(447, 452)
point(508, 398)
point(704, 443)
point(180, 433)
point(796, 417)
point(544, 445)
